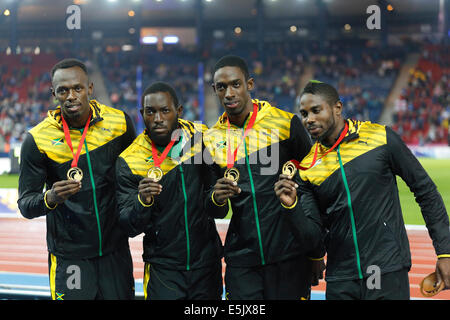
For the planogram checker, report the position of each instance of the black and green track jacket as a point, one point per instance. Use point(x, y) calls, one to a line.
point(86, 224)
point(355, 190)
point(179, 235)
point(260, 230)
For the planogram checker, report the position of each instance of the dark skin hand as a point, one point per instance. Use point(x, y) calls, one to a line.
point(147, 189)
point(225, 189)
point(286, 191)
point(443, 272)
point(62, 190)
point(317, 269)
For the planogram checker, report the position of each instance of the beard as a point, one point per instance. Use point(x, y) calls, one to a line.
point(163, 140)
point(331, 128)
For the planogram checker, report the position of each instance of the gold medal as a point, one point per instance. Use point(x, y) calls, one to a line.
point(155, 173)
point(428, 286)
point(75, 173)
point(232, 174)
point(289, 169)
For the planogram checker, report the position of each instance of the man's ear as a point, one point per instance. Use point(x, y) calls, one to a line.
point(213, 86)
point(338, 108)
point(53, 92)
point(90, 89)
point(180, 111)
point(250, 84)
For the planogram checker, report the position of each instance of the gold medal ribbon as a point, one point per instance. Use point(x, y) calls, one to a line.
point(231, 158)
point(341, 137)
point(158, 160)
point(76, 156)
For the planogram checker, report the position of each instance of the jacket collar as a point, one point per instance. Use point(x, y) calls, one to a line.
point(352, 134)
point(96, 108)
point(353, 130)
point(187, 130)
point(263, 109)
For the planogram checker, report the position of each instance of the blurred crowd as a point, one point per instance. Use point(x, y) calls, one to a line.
point(174, 66)
point(362, 74)
point(24, 96)
point(422, 112)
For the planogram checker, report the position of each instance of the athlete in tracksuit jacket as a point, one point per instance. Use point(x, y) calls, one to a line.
point(83, 235)
point(354, 188)
point(263, 257)
point(182, 249)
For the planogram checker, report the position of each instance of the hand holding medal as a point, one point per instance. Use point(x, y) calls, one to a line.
point(285, 188)
point(75, 173)
point(232, 173)
point(62, 190)
point(149, 186)
point(226, 187)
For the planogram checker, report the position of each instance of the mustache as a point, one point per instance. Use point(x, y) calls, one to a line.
point(159, 126)
point(231, 102)
point(70, 104)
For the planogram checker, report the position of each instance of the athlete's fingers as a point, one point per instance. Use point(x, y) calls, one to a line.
point(66, 183)
point(226, 184)
point(285, 184)
point(149, 185)
point(60, 194)
point(63, 189)
point(284, 177)
point(152, 185)
point(63, 185)
point(286, 192)
point(150, 190)
point(221, 196)
point(147, 181)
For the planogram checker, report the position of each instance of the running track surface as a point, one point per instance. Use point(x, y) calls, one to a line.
point(23, 255)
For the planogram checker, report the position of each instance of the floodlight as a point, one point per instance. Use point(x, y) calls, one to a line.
point(150, 40)
point(170, 39)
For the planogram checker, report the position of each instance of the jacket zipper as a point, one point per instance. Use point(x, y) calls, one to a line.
point(352, 217)
point(185, 219)
point(91, 176)
point(261, 252)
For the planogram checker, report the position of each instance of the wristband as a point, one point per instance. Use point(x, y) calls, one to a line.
point(315, 259)
point(46, 203)
point(292, 206)
point(146, 205)
point(219, 205)
point(443, 256)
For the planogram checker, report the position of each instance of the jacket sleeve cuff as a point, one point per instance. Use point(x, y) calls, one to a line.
point(443, 256)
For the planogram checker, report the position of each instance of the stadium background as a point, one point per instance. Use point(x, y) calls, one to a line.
point(397, 75)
